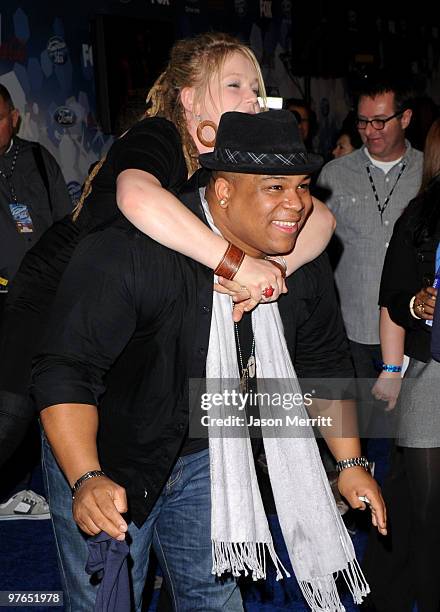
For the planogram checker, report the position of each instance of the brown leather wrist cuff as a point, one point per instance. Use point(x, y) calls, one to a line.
point(230, 262)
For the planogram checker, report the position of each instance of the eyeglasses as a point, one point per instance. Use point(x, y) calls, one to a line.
point(378, 124)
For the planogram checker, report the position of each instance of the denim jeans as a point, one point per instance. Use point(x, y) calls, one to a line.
point(178, 528)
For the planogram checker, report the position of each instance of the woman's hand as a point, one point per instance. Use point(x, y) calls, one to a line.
point(424, 303)
point(257, 275)
point(387, 388)
point(252, 278)
point(356, 482)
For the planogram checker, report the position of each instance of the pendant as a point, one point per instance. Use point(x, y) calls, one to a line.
point(251, 366)
point(244, 378)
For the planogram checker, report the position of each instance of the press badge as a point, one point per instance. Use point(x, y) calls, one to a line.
point(3, 283)
point(22, 218)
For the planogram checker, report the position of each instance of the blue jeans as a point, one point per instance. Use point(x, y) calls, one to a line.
point(178, 528)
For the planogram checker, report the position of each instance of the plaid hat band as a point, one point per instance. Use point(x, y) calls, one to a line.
point(260, 159)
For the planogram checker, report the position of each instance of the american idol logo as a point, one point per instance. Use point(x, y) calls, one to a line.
point(240, 7)
point(64, 116)
point(286, 8)
point(192, 6)
point(57, 50)
point(266, 8)
point(74, 189)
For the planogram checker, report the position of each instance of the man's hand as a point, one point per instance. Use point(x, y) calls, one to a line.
point(387, 388)
point(98, 506)
point(356, 481)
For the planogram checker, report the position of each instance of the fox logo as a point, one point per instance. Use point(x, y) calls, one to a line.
point(266, 8)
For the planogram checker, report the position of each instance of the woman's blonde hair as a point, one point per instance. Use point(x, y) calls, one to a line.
point(193, 62)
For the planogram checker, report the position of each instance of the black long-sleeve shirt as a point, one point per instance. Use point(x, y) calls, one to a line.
point(407, 269)
point(131, 325)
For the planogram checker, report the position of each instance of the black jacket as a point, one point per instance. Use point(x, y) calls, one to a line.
point(408, 268)
point(38, 183)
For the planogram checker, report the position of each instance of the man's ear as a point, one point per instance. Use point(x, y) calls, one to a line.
point(223, 190)
point(187, 96)
point(406, 118)
point(15, 116)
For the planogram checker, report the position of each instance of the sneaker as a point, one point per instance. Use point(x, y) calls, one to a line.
point(25, 505)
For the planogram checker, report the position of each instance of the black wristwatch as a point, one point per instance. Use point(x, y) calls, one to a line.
point(83, 478)
point(353, 462)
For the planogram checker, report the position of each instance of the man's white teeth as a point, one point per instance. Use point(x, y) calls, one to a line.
point(285, 223)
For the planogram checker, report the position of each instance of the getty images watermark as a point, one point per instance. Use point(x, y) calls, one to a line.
point(234, 401)
point(274, 408)
point(331, 407)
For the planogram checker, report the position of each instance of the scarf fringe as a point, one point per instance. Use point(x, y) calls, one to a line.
point(322, 595)
point(355, 580)
point(236, 557)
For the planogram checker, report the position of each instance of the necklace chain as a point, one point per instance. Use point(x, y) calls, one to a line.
point(248, 371)
point(8, 176)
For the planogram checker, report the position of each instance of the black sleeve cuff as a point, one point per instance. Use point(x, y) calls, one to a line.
point(75, 387)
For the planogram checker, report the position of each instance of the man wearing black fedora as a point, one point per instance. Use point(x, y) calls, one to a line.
point(133, 322)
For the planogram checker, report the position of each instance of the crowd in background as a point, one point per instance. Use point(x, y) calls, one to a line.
point(383, 192)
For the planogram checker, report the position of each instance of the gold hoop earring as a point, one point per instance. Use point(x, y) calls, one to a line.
point(202, 125)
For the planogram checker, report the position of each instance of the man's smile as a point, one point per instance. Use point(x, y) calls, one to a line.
point(286, 226)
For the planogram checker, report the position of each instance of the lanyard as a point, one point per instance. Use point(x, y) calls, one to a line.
point(381, 208)
point(8, 176)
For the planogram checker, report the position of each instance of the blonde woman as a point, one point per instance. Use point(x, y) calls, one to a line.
point(205, 77)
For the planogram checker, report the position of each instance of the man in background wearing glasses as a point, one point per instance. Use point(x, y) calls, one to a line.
point(367, 191)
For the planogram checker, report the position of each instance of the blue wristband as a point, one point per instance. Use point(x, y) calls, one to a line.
point(388, 367)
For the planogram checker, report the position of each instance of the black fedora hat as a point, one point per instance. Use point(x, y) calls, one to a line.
point(265, 143)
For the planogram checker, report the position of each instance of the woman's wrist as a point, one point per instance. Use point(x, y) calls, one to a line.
point(412, 309)
point(230, 262)
point(279, 262)
point(386, 374)
point(394, 367)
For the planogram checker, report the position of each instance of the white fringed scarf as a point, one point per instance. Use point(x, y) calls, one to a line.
point(317, 541)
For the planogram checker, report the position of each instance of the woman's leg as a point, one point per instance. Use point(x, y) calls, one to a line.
point(389, 561)
point(423, 470)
